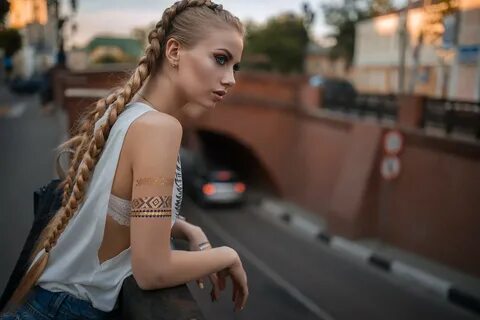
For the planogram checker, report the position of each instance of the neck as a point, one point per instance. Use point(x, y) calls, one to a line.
point(160, 93)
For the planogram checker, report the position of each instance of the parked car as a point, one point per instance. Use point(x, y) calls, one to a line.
point(210, 184)
point(336, 92)
point(27, 86)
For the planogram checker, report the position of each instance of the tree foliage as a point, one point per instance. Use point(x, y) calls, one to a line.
point(279, 45)
point(4, 8)
point(432, 27)
point(10, 41)
point(343, 16)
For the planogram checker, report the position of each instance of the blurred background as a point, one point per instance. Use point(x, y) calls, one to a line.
point(344, 167)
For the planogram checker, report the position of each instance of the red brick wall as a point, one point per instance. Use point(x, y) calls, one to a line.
point(433, 208)
point(331, 167)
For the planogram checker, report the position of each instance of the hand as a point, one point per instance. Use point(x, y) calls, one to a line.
point(239, 281)
point(199, 241)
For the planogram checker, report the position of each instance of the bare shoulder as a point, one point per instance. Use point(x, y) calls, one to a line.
point(156, 121)
point(153, 129)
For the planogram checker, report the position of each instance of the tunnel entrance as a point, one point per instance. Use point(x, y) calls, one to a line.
point(222, 150)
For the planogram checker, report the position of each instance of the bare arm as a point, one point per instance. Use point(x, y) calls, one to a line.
point(155, 142)
point(184, 230)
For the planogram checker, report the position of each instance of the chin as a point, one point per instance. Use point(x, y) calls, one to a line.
point(210, 105)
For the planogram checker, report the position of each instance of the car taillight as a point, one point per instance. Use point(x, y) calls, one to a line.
point(239, 187)
point(208, 189)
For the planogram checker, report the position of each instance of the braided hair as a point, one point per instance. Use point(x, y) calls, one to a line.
point(182, 21)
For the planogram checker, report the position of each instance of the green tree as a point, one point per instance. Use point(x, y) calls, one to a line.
point(279, 45)
point(10, 41)
point(431, 32)
point(4, 8)
point(343, 16)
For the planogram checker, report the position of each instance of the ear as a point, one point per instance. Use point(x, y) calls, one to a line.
point(172, 51)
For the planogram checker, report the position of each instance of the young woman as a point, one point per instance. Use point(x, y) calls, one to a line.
point(122, 194)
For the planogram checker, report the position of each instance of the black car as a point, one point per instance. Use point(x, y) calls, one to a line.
point(336, 93)
point(210, 184)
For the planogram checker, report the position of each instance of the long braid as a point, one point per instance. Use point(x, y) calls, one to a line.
point(84, 134)
point(88, 144)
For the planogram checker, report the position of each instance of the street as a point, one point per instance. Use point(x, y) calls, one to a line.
point(292, 277)
point(27, 142)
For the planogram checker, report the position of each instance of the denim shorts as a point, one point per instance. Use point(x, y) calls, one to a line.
point(42, 304)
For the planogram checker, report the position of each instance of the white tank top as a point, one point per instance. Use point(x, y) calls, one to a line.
point(73, 265)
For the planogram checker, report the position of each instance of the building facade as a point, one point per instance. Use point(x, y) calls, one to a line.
point(450, 69)
point(37, 23)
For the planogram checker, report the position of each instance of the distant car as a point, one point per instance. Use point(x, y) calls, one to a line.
point(27, 86)
point(336, 92)
point(210, 184)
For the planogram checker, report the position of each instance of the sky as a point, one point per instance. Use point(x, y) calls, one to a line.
point(119, 17)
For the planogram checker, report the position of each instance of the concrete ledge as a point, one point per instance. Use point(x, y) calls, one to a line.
point(175, 303)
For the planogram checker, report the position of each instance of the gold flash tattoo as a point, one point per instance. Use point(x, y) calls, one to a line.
point(158, 206)
point(159, 181)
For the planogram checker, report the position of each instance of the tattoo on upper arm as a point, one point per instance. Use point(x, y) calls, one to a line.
point(157, 206)
point(156, 181)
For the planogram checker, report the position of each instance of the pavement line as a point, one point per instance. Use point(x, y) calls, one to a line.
point(270, 273)
point(17, 110)
point(305, 226)
point(431, 282)
point(356, 250)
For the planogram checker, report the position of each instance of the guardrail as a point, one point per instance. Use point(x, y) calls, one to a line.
point(381, 106)
point(452, 115)
point(176, 303)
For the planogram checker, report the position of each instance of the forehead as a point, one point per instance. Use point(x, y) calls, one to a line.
point(227, 38)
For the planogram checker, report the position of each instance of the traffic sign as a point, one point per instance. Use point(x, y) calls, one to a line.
point(393, 142)
point(390, 167)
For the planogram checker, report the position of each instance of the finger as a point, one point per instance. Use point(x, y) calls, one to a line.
point(235, 291)
point(212, 295)
point(200, 283)
point(244, 298)
point(238, 300)
point(215, 286)
point(221, 281)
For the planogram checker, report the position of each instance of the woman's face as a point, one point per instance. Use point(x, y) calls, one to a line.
point(206, 72)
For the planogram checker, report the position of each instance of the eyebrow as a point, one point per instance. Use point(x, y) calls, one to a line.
point(230, 56)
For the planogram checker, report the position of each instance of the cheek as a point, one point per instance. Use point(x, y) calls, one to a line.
point(199, 76)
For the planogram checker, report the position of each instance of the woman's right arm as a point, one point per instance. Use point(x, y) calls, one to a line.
point(153, 143)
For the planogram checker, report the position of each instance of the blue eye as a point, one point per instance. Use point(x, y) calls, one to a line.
point(221, 59)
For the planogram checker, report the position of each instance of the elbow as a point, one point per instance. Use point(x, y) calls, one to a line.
point(148, 278)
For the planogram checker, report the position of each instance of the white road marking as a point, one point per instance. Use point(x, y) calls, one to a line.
point(270, 273)
point(16, 111)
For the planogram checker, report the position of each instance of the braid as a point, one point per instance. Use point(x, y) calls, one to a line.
point(88, 144)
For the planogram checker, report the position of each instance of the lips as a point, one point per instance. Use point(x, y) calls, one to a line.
point(219, 94)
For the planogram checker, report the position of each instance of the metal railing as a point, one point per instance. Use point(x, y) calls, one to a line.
point(452, 115)
point(380, 106)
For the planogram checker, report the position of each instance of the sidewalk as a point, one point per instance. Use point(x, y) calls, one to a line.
point(456, 287)
point(27, 140)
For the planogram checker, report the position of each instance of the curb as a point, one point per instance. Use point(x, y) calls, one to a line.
point(434, 284)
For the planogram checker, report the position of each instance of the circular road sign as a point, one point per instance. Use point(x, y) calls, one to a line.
point(393, 142)
point(390, 167)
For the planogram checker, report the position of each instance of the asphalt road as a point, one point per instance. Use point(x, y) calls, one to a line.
point(27, 142)
point(292, 277)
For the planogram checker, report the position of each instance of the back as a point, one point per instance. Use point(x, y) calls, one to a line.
point(74, 264)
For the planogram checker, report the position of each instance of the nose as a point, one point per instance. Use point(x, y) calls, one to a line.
point(229, 79)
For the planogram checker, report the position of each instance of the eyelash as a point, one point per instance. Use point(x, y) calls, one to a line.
point(235, 67)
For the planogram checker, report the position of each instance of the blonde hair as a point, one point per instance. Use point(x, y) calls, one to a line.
point(186, 21)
